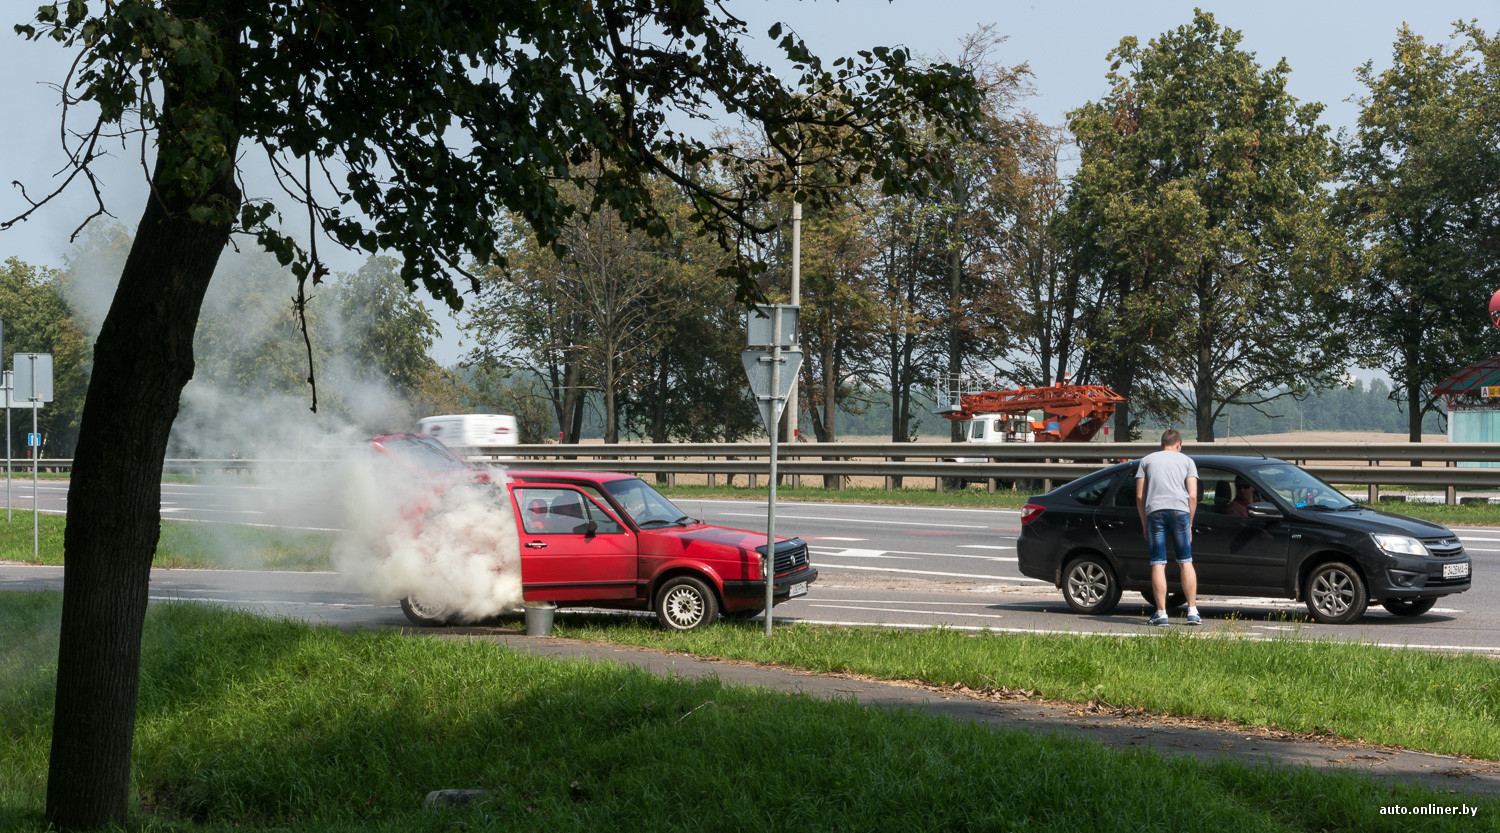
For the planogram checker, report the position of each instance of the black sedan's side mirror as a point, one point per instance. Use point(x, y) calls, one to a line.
point(1263, 509)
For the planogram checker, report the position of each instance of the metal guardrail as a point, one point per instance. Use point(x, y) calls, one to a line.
point(1366, 464)
point(1357, 452)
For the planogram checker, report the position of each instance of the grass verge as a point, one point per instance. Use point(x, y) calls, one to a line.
point(1415, 699)
point(183, 545)
point(249, 723)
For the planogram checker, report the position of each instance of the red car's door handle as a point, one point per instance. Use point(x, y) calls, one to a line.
point(535, 545)
point(1112, 524)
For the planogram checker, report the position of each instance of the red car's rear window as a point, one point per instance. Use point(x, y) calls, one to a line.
point(426, 454)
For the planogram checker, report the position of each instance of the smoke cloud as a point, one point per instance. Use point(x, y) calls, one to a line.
point(397, 531)
point(453, 545)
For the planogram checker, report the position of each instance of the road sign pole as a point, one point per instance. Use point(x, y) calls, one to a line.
point(767, 378)
point(36, 503)
point(8, 452)
point(770, 560)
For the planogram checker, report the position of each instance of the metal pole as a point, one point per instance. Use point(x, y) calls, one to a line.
point(769, 567)
point(8, 397)
point(792, 408)
point(36, 503)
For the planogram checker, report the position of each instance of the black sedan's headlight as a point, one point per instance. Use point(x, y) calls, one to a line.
point(1398, 544)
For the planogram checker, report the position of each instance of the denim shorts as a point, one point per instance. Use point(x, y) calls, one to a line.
point(1158, 524)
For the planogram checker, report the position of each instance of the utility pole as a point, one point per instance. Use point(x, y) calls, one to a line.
point(791, 402)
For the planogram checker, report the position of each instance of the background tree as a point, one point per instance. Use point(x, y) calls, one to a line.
point(1201, 189)
point(904, 231)
point(839, 300)
point(248, 340)
point(522, 320)
point(384, 333)
point(973, 208)
point(39, 319)
point(1051, 295)
point(1422, 202)
point(367, 96)
point(691, 384)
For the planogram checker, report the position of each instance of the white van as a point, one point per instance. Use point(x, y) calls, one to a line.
point(997, 428)
point(473, 435)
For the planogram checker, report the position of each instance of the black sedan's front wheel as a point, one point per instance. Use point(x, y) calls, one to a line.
point(1335, 594)
point(1090, 585)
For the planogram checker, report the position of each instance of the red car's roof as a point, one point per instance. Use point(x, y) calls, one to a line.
point(554, 474)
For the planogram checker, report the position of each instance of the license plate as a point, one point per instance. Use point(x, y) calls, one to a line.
point(798, 589)
point(1455, 571)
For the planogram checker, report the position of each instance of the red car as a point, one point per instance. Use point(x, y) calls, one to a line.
point(599, 539)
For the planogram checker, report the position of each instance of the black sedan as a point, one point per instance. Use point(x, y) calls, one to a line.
point(1263, 527)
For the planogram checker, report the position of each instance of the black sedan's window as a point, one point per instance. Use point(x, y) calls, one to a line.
point(1125, 494)
point(1215, 490)
point(1090, 494)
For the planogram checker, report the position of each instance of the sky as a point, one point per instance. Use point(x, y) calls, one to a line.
point(1065, 43)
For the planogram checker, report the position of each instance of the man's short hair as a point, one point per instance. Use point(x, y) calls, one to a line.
point(1170, 437)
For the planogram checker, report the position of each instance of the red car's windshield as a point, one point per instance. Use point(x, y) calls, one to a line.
point(643, 504)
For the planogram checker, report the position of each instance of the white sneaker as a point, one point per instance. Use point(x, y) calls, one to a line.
point(1159, 618)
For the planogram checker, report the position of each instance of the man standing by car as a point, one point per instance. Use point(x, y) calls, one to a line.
point(1166, 495)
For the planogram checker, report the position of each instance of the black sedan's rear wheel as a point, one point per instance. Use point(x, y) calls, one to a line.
point(1335, 594)
point(1090, 585)
point(1409, 607)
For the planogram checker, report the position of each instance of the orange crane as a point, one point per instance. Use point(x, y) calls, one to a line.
point(1073, 413)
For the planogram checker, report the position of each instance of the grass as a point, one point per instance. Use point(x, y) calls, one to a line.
point(1415, 699)
point(183, 545)
point(249, 723)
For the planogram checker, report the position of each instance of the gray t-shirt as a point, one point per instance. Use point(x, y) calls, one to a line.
point(1166, 474)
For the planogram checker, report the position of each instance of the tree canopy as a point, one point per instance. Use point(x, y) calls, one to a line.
point(401, 127)
point(1200, 203)
point(1421, 200)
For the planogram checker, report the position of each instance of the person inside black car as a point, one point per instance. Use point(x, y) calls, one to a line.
point(1244, 495)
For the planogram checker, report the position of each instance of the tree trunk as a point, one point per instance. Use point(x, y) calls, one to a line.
point(659, 407)
point(572, 403)
point(142, 360)
point(1203, 403)
point(611, 421)
point(1413, 410)
point(1124, 385)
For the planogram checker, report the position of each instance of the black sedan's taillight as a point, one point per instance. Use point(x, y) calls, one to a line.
point(1031, 512)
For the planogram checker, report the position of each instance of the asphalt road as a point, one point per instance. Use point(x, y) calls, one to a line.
point(880, 565)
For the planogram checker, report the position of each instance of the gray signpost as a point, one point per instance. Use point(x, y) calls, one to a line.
point(31, 377)
point(8, 454)
point(772, 364)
